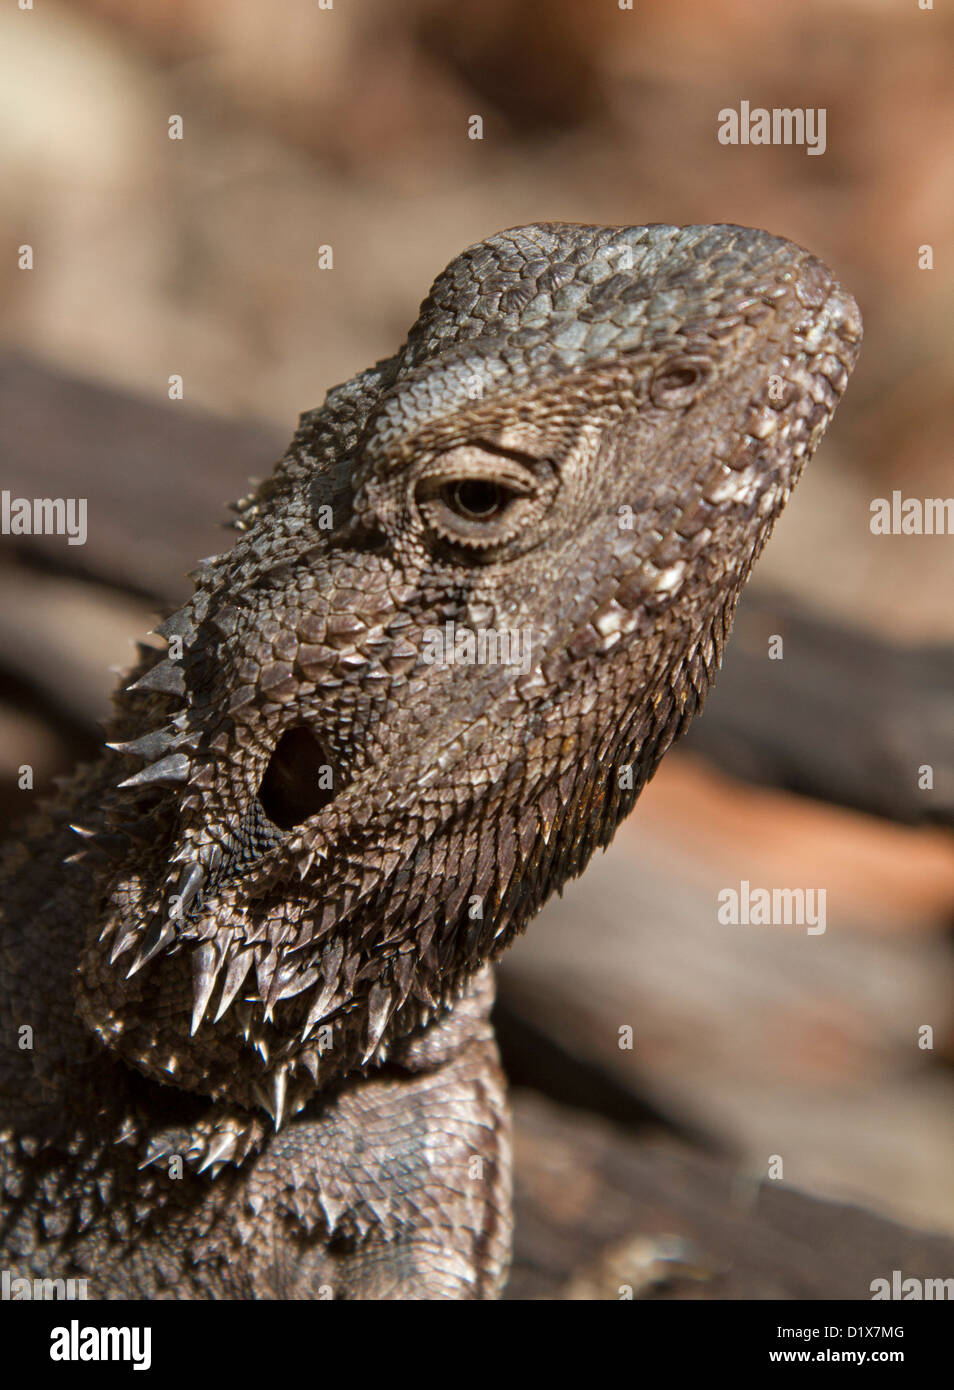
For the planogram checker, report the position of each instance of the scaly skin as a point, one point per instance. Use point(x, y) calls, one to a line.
point(261, 1062)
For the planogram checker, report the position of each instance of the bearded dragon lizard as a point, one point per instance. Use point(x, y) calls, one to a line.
point(246, 1049)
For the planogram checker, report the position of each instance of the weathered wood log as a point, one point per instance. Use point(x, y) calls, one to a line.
point(589, 1195)
point(846, 716)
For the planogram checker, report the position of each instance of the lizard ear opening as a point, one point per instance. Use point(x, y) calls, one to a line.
point(299, 781)
point(677, 382)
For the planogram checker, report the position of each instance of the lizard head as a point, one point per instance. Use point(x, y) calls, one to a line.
point(482, 594)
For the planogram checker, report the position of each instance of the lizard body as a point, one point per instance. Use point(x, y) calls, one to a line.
point(246, 1048)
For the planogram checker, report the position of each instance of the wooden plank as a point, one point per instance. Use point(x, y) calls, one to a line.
point(588, 1196)
point(846, 716)
point(157, 477)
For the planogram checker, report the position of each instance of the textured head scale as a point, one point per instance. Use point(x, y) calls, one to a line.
point(478, 599)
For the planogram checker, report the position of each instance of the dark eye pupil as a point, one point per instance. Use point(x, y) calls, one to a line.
point(476, 498)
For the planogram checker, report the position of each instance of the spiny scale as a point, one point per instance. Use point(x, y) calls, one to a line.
point(124, 942)
point(238, 967)
point(178, 624)
point(191, 880)
point(380, 1006)
point(206, 962)
point(159, 935)
point(166, 678)
point(156, 743)
point(167, 772)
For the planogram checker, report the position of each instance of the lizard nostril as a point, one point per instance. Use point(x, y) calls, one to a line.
point(299, 781)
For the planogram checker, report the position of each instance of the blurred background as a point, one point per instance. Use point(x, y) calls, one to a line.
point(347, 127)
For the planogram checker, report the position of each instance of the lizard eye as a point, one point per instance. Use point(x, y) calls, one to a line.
point(476, 499)
point(484, 504)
